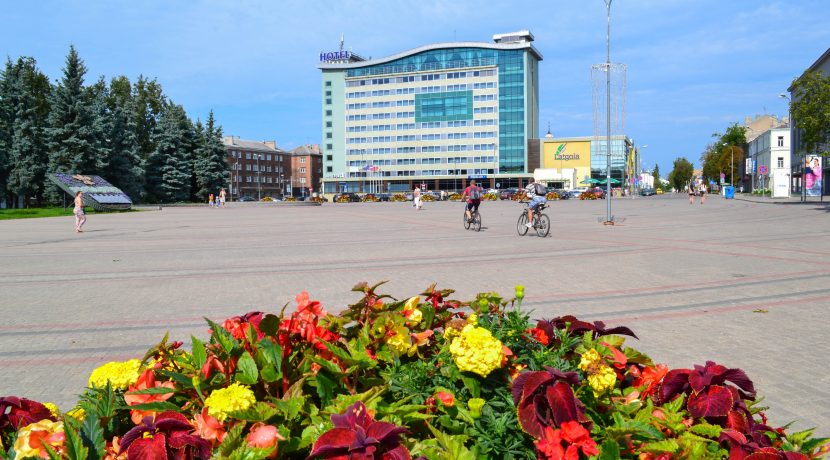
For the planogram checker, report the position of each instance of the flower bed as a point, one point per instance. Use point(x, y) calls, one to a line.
point(552, 196)
point(427, 197)
point(400, 379)
point(370, 198)
point(588, 196)
point(454, 197)
point(489, 197)
point(399, 197)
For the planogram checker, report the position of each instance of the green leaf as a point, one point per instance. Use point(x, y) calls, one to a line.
point(246, 370)
point(199, 355)
point(326, 385)
point(233, 440)
point(152, 391)
point(609, 450)
point(706, 429)
point(271, 352)
point(472, 384)
point(160, 406)
point(250, 453)
point(93, 437)
point(269, 325)
point(269, 373)
point(259, 412)
point(75, 449)
point(666, 445)
point(222, 336)
point(290, 407)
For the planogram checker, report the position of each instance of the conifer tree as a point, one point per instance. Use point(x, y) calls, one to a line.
point(7, 111)
point(72, 143)
point(212, 170)
point(169, 166)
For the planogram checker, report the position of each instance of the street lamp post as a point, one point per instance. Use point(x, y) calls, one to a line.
point(282, 185)
point(608, 220)
point(258, 179)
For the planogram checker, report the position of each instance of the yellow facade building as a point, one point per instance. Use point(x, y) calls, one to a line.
point(566, 162)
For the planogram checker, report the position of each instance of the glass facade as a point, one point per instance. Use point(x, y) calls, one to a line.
point(448, 106)
point(599, 161)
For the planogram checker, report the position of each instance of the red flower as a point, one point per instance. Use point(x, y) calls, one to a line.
point(264, 437)
point(238, 325)
point(540, 335)
point(146, 380)
point(650, 378)
point(304, 323)
point(575, 437)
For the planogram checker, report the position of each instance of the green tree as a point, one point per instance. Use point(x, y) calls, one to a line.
point(725, 154)
point(655, 173)
point(681, 173)
point(168, 169)
point(211, 167)
point(810, 109)
point(7, 112)
point(72, 144)
point(27, 153)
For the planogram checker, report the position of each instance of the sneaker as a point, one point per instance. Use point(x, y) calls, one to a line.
point(529, 225)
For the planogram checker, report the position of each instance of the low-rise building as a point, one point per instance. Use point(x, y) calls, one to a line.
point(569, 162)
point(769, 152)
point(306, 170)
point(258, 169)
point(803, 179)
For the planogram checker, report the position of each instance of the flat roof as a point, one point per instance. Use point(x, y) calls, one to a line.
point(433, 46)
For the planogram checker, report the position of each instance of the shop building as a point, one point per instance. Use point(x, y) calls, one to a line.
point(769, 153)
point(438, 115)
point(568, 162)
point(306, 170)
point(808, 168)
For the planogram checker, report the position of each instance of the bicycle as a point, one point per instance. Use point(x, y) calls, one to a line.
point(541, 222)
point(474, 221)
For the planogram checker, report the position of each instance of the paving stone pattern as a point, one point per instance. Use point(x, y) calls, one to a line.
point(741, 283)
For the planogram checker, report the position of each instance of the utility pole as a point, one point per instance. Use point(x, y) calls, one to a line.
point(608, 220)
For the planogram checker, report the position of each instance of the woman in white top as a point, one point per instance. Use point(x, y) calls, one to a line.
point(702, 190)
point(416, 198)
point(80, 217)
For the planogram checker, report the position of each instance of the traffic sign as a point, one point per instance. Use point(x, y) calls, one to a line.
point(763, 169)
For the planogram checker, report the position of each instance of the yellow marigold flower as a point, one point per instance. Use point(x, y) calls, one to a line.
point(415, 317)
point(54, 438)
point(401, 342)
point(476, 350)
point(77, 412)
point(223, 401)
point(603, 380)
point(53, 409)
point(520, 291)
point(472, 319)
point(120, 374)
point(589, 361)
point(412, 303)
point(475, 406)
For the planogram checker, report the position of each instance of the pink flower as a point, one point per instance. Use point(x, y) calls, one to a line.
point(209, 427)
point(265, 437)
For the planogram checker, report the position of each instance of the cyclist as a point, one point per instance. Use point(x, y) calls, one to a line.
point(473, 194)
point(536, 194)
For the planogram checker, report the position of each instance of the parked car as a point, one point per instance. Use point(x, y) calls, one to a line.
point(247, 198)
point(350, 196)
point(647, 192)
point(599, 191)
point(576, 192)
point(563, 194)
point(384, 196)
point(507, 194)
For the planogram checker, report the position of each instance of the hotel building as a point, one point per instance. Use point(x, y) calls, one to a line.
point(437, 115)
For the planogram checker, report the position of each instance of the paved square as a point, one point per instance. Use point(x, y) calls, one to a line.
point(740, 283)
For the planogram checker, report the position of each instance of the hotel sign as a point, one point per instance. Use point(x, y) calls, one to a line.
point(335, 56)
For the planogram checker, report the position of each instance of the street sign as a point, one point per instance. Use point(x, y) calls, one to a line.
point(763, 169)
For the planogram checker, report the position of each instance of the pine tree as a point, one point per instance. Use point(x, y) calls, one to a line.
point(72, 143)
point(169, 168)
point(27, 153)
point(7, 113)
point(212, 171)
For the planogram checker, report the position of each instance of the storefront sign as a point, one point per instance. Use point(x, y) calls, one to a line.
point(335, 56)
point(477, 176)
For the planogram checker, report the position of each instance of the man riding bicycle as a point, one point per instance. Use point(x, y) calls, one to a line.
point(473, 193)
point(536, 193)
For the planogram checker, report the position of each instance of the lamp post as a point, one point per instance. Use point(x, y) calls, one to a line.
point(282, 185)
point(803, 193)
point(236, 185)
point(608, 220)
point(258, 178)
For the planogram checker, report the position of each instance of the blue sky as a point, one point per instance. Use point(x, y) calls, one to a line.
point(694, 66)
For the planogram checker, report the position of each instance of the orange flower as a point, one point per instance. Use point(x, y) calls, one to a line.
point(446, 399)
point(208, 427)
point(650, 377)
point(113, 450)
point(264, 436)
point(146, 380)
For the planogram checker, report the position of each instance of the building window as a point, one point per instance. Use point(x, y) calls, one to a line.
point(302, 180)
point(780, 160)
point(328, 83)
point(268, 157)
point(329, 169)
point(780, 141)
point(302, 170)
point(328, 93)
point(247, 155)
point(328, 135)
point(328, 124)
point(302, 159)
point(328, 101)
point(329, 146)
point(329, 158)
point(328, 113)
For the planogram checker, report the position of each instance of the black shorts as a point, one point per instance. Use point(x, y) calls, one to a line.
point(473, 205)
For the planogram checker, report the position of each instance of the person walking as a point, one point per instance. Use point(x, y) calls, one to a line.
point(222, 195)
point(691, 192)
point(702, 190)
point(210, 200)
point(80, 217)
point(416, 198)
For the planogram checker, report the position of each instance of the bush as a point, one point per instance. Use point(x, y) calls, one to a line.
point(489, 197)
point(588, 196)
point(521, 195)
point(370, 198)
point(421, 376)
point(552, 196)
point(267, 199)
point(398, 197)
point(454, 197)
point(290, 199)
point(343, 199)
point(427, 197)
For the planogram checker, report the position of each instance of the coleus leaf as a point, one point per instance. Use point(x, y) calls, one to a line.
point(714, 402)
point(152, 448)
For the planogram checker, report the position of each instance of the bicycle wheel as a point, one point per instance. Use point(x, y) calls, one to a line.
point(466, 221)
point(543, 225)
point(521, 226)
point(477, 222)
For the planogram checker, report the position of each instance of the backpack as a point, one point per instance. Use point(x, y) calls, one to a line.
point(475, 193)
point(540, 189)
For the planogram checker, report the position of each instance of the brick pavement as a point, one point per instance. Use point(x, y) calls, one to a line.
point(743, 283)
